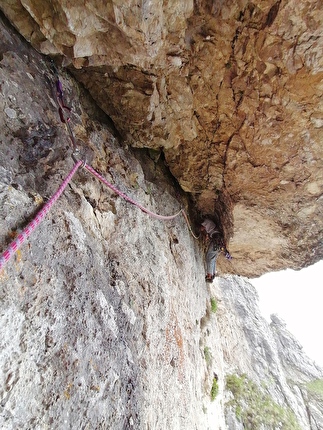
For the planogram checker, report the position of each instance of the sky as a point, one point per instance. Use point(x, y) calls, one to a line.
point(297, 297)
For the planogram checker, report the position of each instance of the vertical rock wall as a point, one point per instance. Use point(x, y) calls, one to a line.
point(101, 309)
point(267, 373)
point(105, 319)
point(229, 91)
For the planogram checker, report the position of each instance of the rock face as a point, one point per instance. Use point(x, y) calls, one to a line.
point(106, 321)
point(100, 311)
point(269, 379)
point(229, 92)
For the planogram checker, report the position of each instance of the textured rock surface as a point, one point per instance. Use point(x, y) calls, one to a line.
point(106, 321)
point(269, 357)
point(229, 91)
point(101, 310)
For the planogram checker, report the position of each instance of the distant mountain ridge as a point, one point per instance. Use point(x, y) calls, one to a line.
point(268, 365)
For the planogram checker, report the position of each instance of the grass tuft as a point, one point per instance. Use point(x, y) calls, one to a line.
point(207, 355)
point(214, 305)
point(315, 387)
point(214, 389)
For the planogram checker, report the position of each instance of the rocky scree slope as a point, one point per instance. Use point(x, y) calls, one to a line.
point(106, 321)
point(229, 92)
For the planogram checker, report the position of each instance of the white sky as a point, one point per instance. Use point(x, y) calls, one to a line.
point(297, 297)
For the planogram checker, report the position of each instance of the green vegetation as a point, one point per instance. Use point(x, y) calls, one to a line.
point(256, 409)
point(214, 305)
point(235, 384)
point(214, 389)
point(207, 355)
point(315, 387)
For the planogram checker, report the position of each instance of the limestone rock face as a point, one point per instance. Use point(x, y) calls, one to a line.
point(106, 321)
point(100, 310)
point(269, 378)
point(229, 91)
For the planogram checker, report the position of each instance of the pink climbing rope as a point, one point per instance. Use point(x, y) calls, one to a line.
point(14, 246)
point(23, 236)
point(62, 108)
point(188, 224)
point(129, 199)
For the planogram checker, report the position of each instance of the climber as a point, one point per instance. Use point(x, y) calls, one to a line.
point(215, 246)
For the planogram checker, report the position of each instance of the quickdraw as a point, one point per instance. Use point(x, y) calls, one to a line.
point(75, 155)
point(64, 111)
point(23, 236)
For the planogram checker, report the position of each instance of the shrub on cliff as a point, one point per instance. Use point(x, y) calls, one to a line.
point(256, 409)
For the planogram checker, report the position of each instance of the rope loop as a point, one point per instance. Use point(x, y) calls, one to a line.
point(79, 162)
point(127, 198)
point(144, 209)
